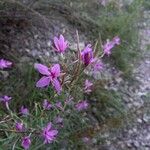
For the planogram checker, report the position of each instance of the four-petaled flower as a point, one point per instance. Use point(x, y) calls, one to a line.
point(87, 55)
point(50, 75)
point(24, 111)
point(82, 105)
point(46, 105)
point(60, 44)
point(19, 126)
point(5, 63)
point(26, 142)
point(88, 86)
point(49, 134)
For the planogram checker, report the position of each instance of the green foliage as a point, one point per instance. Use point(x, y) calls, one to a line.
point(110, 21)
point(146, 4)
point(107, 104)
point(76, 124)
point(94, 19)
point(21, 85)
point(124, 24)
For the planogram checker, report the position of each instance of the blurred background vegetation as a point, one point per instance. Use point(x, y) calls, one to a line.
point(95, 22)
point(117, 18)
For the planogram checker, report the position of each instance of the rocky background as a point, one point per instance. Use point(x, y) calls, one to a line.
point(25, 37)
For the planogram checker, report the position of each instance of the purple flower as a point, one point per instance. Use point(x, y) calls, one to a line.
point(82, 105)
point(87, 55)
point(5, 100)
point(59, 105)
point(60, 44)
point(46, 105)
point(103, 2)
point(97, 65)
point(107, 47)
point(19, 126)
point(69, 100)
point(86, 139)
point(88, 86)
point(26, 142)
point(58, 120)
point(24, 111)
point(110, 44)
point(50, 75)
point(49, 134)
point(5, 63)
point(116, 40)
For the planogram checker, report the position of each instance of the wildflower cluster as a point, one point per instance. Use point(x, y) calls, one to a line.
point(62, 82)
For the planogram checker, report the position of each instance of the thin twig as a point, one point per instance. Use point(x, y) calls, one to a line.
point(77, 68)
point(13, 148)
point(6, 120)
point(15, 131)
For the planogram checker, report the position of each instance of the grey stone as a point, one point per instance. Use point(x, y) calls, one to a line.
point(136, 144)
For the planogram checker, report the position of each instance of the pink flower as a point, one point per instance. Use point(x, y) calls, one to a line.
point(59, 105)
point(19, 126)
point(26, 142)
point(58, 120)
point(110, 44)
point(50, 75)
point(116, 40)
point(107, 47)
point(97, 65)
point(88, 86)
point(86, 139)
point(47, 105)
point(5, 63)
point(68, 101)
point(87, 55)
point(60, 44)
point(5, 100)
point(103, 2)
point(24, 111)
point(49, 134)
point(82, 105)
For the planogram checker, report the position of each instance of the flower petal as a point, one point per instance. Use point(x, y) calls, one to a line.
point(49, 126)
point(56, 43)
point(42, 69)
point(116, 40)
point(44, 81)
point(53, 132)
point(56, 70)
point(61, 40)
point(57, 85)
